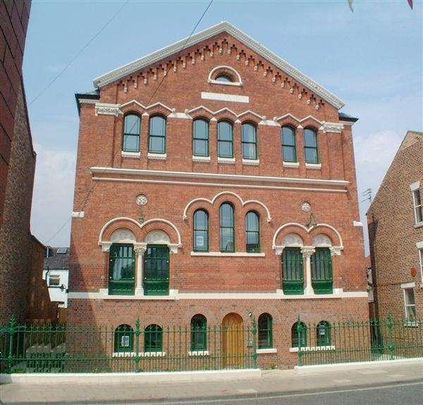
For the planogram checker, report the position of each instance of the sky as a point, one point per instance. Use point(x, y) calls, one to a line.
point(371, 58)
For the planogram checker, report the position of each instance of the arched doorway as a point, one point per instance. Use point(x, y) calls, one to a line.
point(233, 348)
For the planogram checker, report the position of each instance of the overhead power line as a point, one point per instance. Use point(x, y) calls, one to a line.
point(76, 56)
point(90, 191)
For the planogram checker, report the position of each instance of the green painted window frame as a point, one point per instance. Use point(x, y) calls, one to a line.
point(223, 228)
point(322, 271)
point(297, 335)
point(292, 271)
point(221, 141)
point(245, 143)
point(200, 231)
point(252, 248)
point(198, 333)
point(125, 283)
point(152, 136)
point(323, 333)
point(265, 331)
point(124, 333)
point(311, 147)
point(133, 132)
point(289, 146)
point(200, 138)
point(153, 339)
point(156, 271)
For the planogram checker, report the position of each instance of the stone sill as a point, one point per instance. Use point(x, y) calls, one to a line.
point(131, 155)
point(267, 351)
point(251, 162)
point(201, 159)
point(222, 254)
point(157, 156)
point(226, 161)
point(313, 166)
point(294, 165)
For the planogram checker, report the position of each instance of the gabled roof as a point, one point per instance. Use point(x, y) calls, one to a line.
point(224, 26)
point(411, 138)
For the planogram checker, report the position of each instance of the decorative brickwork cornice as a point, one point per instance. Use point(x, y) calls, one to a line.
point(266, 63)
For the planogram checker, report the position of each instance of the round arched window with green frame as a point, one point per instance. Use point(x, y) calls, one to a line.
point(265, 331)
point(153, 339)
point(252, 230)
point(323, 334)
point(201, 231)
point(299, 334)
point(227, 228)
point(198, 333)
point(124, 339)
point(200, 137)
point(131, 133)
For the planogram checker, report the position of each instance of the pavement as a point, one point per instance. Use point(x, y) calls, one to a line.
point(385, 383)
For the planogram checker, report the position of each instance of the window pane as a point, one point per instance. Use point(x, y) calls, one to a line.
point(201, 147)
point(132, 124)
point(201, 231)
point(158, 126)
point(252, 222)
point(310, 137)
point(131, 143)
point(227, 240)
point(288, 136)
point(265, 331)
point(248, 133)
point(201, 129)
point(157, 144)
point(249, 151)
point(226, 215)
point(225, 149)
point(223, 78)
point(311, 155)
point(289, 154)
point(225, 131)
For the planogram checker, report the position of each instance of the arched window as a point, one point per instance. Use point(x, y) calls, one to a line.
point(321, 271)
point(157, 135)
point(299, 334)
point(121, 269)
point(201, 231)
point(293, 271)
point(124, 339)
point(252, 230)
point(227, 228)
point(265, 333)
point(153, 339)
point(225, 139)
point(200, 138)
point(198, 333)
point(289, 148)
point(323, 334)
point(249, 142)
point(225, 78)
point(311, 152)
point(131, 133)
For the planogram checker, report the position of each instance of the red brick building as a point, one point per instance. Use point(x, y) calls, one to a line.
point(17, 164)
point(396, 246)
point(215, 183)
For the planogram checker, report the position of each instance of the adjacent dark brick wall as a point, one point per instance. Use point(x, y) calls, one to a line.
point(17, 164)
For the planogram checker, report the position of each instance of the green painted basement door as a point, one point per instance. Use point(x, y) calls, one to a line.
point(156, 270)
point(122, 270)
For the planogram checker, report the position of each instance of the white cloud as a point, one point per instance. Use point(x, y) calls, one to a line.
point(53, 194)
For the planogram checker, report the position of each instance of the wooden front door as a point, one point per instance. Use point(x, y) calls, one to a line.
point(233, 348)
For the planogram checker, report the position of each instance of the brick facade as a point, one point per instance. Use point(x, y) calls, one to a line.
point(393, 233)
point(17, 164)
point(176, 185)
